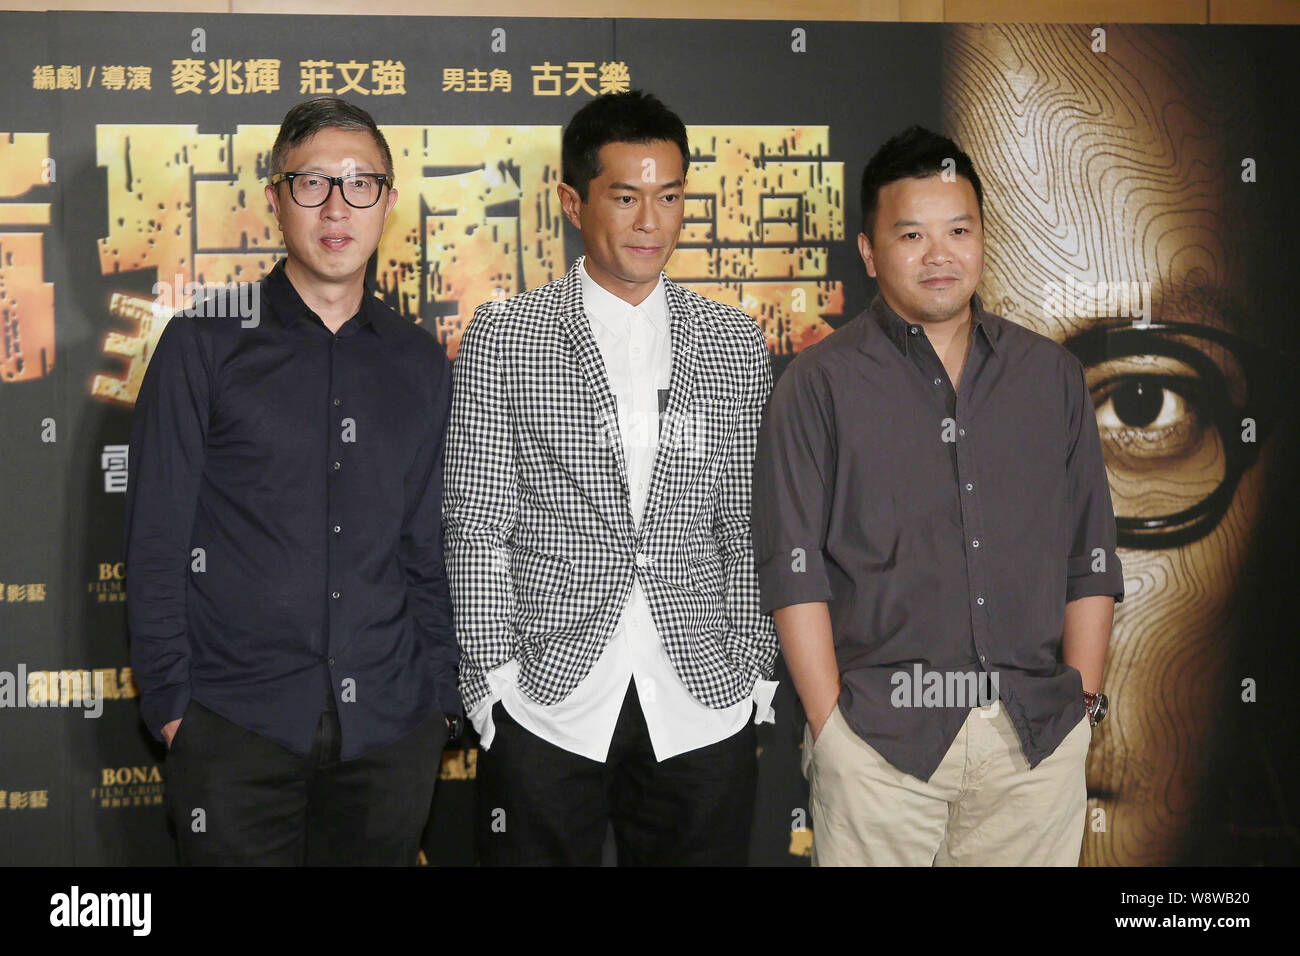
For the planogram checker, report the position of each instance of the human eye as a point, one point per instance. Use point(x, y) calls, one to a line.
point(1181, 410)
point(1158, 413)
point(1146, 413)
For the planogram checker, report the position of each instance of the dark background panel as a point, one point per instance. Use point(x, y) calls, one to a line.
point(33, 476)
point(59, 526)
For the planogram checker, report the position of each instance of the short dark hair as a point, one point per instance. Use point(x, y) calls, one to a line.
point(914, 153)
point(630, 117)
point(324, 112)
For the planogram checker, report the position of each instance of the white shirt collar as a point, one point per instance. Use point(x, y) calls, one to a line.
point(614, 313)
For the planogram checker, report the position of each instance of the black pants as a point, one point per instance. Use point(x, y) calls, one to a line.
point(539, 804)
point(237, 798)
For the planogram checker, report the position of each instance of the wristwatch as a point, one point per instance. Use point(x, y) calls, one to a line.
point(455, 727)
point(1095, 705)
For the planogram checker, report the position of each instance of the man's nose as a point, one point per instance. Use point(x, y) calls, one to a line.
point(938, 250)
point(647, 219)
point(336, 207)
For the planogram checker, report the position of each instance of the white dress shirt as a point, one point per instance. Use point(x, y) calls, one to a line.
point(636, 344)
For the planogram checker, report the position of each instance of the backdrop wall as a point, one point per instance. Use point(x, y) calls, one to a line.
point(1137, 201)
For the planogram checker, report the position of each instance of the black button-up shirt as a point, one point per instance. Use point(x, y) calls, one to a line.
point(946, 529)
point(284, 526)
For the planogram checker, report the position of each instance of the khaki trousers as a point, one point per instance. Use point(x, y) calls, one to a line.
point(982, 807)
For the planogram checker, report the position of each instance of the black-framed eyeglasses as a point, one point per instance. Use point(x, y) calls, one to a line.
point(1211, 423)
point(360, 191)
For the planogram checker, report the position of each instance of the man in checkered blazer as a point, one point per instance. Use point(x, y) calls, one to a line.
point(614, 659)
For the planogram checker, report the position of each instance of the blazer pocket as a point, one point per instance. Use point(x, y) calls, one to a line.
point(707, 575)
point(706, 427)
point(716, 404)
point(715, 396)
point(536, 571)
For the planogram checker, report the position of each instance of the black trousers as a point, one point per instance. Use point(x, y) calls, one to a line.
point(539, 804)
point(237, 798)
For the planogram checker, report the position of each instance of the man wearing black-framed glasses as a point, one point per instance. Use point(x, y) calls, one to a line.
point(289, 610)
point(360, 191)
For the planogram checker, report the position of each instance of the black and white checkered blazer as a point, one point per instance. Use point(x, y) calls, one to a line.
point(540, 541)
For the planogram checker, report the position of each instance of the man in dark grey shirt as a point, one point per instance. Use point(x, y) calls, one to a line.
point(937, 544)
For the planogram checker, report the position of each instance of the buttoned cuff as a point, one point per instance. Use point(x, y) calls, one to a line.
point(160, 707)
point(449, 699)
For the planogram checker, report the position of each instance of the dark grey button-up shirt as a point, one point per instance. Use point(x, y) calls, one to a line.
point(946, 529)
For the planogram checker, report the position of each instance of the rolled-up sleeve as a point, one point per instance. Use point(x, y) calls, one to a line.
point(1094, 567)
point(793, 482)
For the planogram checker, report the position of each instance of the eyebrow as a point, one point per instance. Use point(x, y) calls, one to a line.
point(324, 172)
point(676, 183)
point(1194, 301)
point(964, 217)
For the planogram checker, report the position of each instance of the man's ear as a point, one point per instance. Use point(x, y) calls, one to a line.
point(868, 257)
point(273, 197)
point(571, 203)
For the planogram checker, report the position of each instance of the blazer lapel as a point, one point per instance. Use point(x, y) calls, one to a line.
point(684, 324)
point(609, 447)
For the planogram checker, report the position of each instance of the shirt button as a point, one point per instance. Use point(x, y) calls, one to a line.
point(983, 659)
point(331, 662)
point(961, 431)
point(938, 381)
point(914, 329)
point(338, 401)
point(337, 528)
point(641, 559)
point(975, 543)
point(338, 465)
point(969, 486)
point(335, 595)
point(979, 601)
